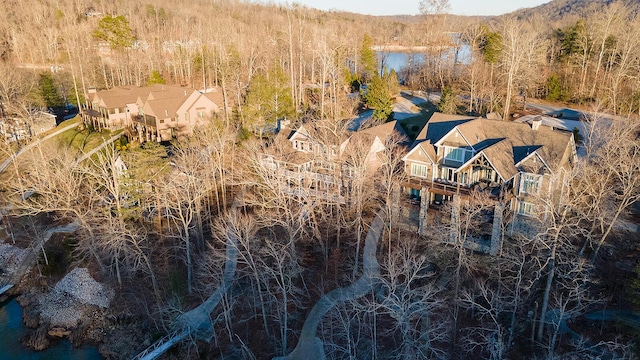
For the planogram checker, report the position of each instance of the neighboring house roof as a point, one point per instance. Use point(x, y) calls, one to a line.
point(422, 152)
point(120, 96)
point(317, 134)
point(556, 123)
point(385, 130)
point(215, 95)
point(375, 138)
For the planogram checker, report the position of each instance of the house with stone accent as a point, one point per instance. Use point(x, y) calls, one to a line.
point(514, 163)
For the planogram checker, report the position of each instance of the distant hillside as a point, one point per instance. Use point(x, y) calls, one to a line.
point(570, 10)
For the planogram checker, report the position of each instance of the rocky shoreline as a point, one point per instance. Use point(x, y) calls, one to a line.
point(75, 307)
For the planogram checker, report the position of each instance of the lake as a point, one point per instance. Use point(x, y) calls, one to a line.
point(399, 60)
point(12, 329)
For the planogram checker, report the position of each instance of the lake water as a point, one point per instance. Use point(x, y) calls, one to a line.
point(12, 329)
point(400, 60)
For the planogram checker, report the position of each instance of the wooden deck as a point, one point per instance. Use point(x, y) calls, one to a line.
point(436, 187)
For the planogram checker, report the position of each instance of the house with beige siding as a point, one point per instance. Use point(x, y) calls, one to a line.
point(152, 113)
point(513, 162)
point(315, 162)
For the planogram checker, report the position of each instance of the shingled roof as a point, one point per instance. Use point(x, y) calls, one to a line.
point(504, 144)
point(520, 139)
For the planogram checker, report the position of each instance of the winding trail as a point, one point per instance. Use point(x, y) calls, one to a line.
point(197, 322)
point(310, 347)
point(7, 282)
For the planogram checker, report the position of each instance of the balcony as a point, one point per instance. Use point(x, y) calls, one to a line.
point(437, 186)
point(144, 120)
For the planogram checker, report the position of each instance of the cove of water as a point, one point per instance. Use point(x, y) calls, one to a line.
point(12, 329)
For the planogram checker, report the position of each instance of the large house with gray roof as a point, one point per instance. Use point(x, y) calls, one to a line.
point(514, 162)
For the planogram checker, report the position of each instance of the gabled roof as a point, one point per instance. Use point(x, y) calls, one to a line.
point(120, 96)
point(504, 144)
point(520, 138)
point(385, 130)
point(317, 134)
point(215, 95)
point(440, 125)
point(423, 152)
point(375, 137)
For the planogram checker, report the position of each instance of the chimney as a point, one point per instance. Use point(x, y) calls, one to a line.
point(536, 122)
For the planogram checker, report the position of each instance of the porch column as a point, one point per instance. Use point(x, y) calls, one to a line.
point(496, 231)
point(424, 204)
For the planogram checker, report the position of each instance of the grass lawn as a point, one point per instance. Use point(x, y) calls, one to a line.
point(83, 140)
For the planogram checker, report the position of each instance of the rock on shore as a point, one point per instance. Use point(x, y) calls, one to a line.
point(70, 299)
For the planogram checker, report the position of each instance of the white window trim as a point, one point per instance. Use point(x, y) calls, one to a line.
point(535, 178)
point(415, 166)
point(449, 149)
point(522, 205)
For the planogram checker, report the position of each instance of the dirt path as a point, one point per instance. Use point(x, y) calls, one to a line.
point(311, 347)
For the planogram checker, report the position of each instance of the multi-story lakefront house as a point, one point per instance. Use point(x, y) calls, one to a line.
point(316, 162)
point(152, 113)
point(514, 162)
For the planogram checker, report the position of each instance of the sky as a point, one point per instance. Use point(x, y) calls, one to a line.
point(410, 7)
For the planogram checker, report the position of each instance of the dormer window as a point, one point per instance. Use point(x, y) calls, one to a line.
point(454, 154)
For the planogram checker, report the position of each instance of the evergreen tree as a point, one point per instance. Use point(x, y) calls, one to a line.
point(377, 97)
point(368, 61)
point(491, 46)
point(391, 78)
point(155, 78)
point(116, 31)
point(48, 91)
point(269, 97)
point(448, 101)
point(554, 88)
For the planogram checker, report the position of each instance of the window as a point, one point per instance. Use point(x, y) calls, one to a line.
point(530, 183)
point(525, 208)
point(454, 154)
point(200, 114)
point(419, 170)
point(161, 121)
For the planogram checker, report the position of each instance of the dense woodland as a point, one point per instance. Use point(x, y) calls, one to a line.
point(157, 232)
